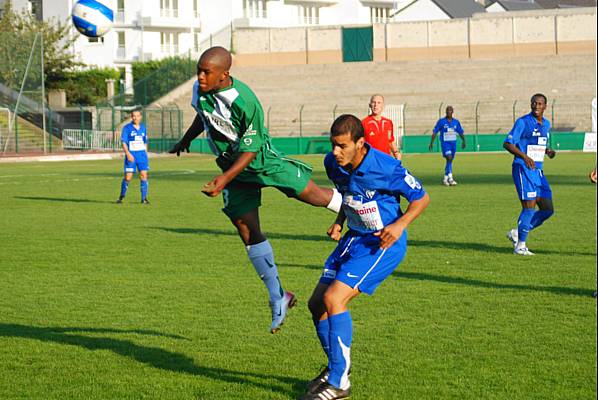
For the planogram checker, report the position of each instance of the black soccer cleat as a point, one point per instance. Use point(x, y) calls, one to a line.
point(145, 201)
point(120, 200)
point(318, 380)
point(326, 391)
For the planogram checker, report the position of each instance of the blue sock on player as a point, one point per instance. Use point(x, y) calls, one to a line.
point(144, 186)
point(323, 331)
point(341, 335)
point(448, 168)
point(524, 223)
point(262, 258)
point(124, 185)
point(539, 217)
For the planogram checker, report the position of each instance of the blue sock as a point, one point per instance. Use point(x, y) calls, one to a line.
point(323, 331)
point(341, 335)
point(124, 185)
point(262, 258)
point(524, 223)
point(448, 168)
point(539, 217)
point(143, 185)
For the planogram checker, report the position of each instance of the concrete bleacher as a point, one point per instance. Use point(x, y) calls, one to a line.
point(489, 85)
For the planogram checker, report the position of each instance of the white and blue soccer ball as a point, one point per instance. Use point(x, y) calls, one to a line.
point(92, 18)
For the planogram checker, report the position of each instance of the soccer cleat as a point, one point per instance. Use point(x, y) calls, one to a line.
point(120, 200)
point(318, 380)
point(445, 181)
point(523, 251)
point(145, 201)
point(328, 392)
point(513, 236)
point(280, 309)
point(452, 182)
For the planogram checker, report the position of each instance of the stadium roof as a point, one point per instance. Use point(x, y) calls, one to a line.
point(518, 5)
point(565, 3)
point(459, 8)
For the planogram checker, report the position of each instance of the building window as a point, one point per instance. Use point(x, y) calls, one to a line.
point(120, 50)
point(95, 39)
point(196, 41)
point(169, 8)
point(255, 8)
point(380, 14)
point(169, 42)
point(309, 15)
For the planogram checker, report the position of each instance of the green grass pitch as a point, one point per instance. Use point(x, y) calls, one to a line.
point(107, 301)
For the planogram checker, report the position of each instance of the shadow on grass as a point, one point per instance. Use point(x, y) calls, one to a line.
point(152, 356)
point(62, 199)
point(440, 244)
point(420, 276)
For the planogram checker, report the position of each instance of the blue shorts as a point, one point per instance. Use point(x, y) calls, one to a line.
point(359, 262)
point(530, 183)
point(449, 148)
point(140, 163)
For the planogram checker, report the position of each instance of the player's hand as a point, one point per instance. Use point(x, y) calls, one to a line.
point(550, 153)
point(531, 164)
point(215, 186)
point(593, 176)
point(130, 158)
point(179, 147)
point(463, 144)
point(430, 147)
point(389, 234)
point(335, 232)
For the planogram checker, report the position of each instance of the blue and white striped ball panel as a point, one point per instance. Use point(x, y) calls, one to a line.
point(92, 18)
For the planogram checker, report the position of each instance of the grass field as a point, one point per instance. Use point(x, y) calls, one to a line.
point(107, 301)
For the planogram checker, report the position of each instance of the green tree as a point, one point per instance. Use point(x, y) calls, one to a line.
point(17, 33)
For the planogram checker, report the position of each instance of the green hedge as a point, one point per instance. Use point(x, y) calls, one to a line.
point(86, 87)
point(154, 79)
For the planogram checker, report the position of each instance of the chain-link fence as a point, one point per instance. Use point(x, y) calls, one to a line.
point(480, 117)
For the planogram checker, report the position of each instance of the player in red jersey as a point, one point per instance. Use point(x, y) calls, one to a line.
point(378, 129)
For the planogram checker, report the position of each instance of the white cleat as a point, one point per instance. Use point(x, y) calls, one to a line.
point(445, 181)
point(523, 251)
point(280, 309)
point(513, 236)
point(452, 182)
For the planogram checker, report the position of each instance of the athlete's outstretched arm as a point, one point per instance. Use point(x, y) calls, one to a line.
point(511, 148)
point(216, 185)
point(392, 232)
point(193, 131)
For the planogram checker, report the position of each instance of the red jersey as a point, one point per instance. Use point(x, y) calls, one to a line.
point(378, 133)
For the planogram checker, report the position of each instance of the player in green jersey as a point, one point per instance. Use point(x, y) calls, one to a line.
point(233, 119)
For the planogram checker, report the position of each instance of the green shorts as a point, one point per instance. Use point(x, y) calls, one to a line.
point(244, 193)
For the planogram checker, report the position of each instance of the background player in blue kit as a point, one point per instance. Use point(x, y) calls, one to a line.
point(134, 142)
point(371, 183)
point(448, 127)
point(528, 142)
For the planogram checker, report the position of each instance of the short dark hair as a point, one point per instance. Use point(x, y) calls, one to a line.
point(136, 109)
point(347, 123)
point(539, 95)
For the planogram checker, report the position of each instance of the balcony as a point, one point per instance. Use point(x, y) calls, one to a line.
point(169, 12)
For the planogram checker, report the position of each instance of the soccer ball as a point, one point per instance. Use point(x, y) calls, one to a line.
point(92, 18)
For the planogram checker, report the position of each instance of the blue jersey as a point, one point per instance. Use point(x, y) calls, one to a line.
point(135, 139)
point(531, 137)
point(371, 192)
point(448, 130)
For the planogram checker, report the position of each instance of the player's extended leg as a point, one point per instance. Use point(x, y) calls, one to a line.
point(528, 209)
point(261, 256)
point(124, 185)
point(321, 197)
point(143, 186)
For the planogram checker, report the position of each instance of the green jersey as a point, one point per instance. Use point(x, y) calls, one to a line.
point(233, 119)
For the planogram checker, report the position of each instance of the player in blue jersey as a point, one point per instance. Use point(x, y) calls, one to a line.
point(134, 142)
point(448, 127)
point(371, 183)
point(528, 142)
